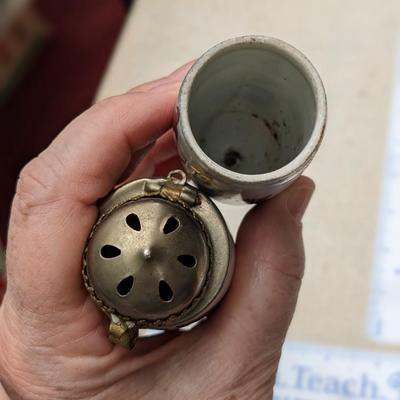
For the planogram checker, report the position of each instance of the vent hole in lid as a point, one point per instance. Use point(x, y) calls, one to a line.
point(171, 225)
point(133, 222)
point(125, 286)
point(187, 260)
point(165, 291)
point(110, 251)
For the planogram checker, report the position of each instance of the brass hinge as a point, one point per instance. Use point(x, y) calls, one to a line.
point(122, 332)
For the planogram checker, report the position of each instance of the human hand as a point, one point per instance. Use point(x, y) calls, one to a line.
point(53, 339)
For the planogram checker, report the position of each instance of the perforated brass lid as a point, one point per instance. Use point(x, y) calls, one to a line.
point(151, 259)
point(159, 256)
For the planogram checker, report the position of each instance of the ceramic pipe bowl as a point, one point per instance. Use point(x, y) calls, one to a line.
point(251, 114)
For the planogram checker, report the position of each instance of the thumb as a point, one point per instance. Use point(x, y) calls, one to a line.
point(255, 316)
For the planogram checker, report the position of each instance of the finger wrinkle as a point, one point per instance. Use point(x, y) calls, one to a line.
point(293, 279)
point(287, 263)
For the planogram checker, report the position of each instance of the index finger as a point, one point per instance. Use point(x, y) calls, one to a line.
point(54, 207)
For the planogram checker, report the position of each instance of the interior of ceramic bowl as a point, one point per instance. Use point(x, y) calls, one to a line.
point(251, 109)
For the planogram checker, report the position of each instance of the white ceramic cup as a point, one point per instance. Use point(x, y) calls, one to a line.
point(251, 113)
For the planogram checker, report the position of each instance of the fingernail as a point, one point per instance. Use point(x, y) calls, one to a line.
point(298, 201)
point(181, 71)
